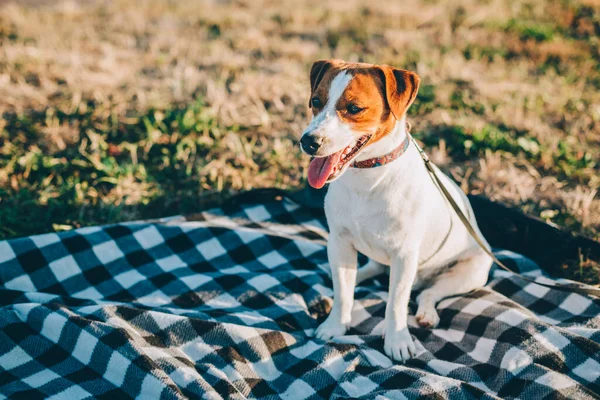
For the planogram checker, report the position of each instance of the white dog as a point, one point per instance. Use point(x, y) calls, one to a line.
point(382, 202)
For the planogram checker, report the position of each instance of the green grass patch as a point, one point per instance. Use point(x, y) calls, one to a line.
point(487, 53)
point(154, 164)
point(464, 143)
point(425, 101)
point(567, 161)
point(531, 30)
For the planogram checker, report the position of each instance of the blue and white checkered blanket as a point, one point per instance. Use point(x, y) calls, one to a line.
point(223, 305)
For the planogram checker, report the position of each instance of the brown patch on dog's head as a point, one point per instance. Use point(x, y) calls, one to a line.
point(322, 74)
point(375, 97)
point(365, 93)
point(400, 88)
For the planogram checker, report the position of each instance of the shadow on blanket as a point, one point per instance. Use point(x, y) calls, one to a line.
point(223, 304)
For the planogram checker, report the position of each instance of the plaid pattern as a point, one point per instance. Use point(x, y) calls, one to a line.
point(223, 305)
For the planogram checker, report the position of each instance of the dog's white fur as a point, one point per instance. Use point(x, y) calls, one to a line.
point(395, 215)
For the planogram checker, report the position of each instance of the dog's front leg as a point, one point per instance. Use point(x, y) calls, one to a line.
point(398, 343)
point(343, 261)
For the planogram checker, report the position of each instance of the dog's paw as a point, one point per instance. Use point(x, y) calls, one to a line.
point(427, 317)
point(399, 345)
point(330, 328)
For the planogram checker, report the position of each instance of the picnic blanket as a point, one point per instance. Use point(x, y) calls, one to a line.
point(223, 304)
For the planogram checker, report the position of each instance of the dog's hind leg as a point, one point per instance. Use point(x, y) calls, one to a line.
point(462, 277)
point(370, 270)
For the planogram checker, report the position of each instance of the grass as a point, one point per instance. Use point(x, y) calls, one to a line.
point(160, 163)
point(118, 110)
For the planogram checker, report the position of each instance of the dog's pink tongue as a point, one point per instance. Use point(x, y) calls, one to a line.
point(320, 169)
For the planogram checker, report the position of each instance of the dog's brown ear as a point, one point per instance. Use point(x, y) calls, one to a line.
point(401, 87)
point(317, 71)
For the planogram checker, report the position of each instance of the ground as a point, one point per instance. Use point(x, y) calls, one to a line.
point(120, 110)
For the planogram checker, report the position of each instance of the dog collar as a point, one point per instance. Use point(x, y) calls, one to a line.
point(385, 159)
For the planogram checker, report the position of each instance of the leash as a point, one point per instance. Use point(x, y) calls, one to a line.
point(592, 291)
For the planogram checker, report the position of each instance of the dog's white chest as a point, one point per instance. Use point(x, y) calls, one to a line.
point(362, 221)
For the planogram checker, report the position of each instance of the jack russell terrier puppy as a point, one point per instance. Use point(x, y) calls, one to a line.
point(382, 202)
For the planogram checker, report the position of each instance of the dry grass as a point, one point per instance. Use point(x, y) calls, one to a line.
point(117, 110)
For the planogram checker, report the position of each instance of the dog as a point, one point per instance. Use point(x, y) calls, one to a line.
point(382, 203)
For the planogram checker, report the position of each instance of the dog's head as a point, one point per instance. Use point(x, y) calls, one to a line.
point(354, 105)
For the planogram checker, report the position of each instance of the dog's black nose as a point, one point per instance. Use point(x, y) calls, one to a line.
point(311, 143)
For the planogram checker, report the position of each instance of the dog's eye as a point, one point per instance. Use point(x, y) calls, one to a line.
point(353, 109)
point(316, 102)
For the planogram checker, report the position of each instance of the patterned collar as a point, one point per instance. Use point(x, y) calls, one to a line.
point(385, 159)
